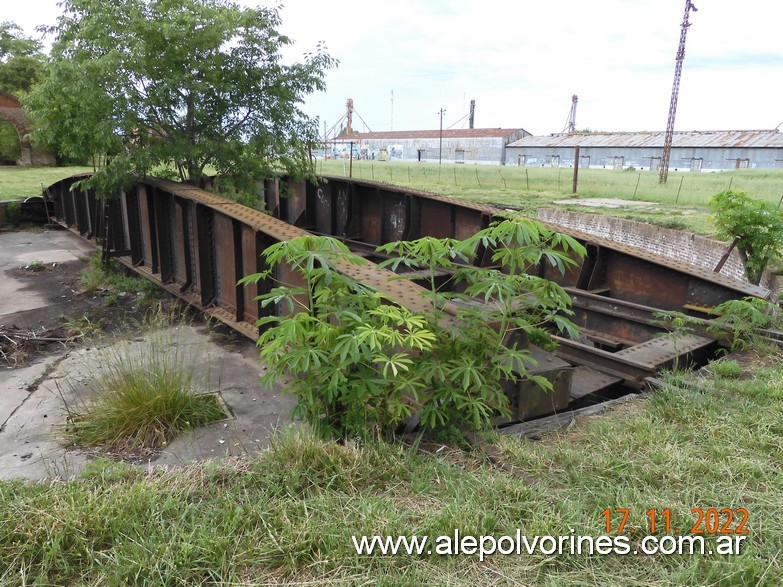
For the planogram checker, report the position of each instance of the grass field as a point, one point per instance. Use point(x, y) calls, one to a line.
point(680, 203)
point(683, 188)
point(20, 182)
point(288, 517)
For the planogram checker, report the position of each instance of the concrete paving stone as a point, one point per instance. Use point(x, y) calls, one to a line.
point(35, 400)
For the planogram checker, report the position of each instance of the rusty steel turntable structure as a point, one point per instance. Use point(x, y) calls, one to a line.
point(197, 245)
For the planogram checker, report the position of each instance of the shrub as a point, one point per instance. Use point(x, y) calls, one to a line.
point(362, 365)
point(743, 320)
point(141, 398)
point(756, 225)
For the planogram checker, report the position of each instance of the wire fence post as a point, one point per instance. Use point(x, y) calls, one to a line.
point(527, 179)
point(638, 179)
point(503, 178)
point(478, 181)
point(677, 199)
point(455, 176)
point(576, 169)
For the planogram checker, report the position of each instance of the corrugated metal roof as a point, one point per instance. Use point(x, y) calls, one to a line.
point(721, 139)
point(464, 133)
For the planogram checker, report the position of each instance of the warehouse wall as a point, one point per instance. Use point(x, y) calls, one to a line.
point(642, 158)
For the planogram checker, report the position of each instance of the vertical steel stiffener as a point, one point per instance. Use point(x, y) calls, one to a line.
point(667, 141)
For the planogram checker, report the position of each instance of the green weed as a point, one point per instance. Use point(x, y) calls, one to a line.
point(726, 369)
point(141, 397)
point(114, 278)
point(35, 266)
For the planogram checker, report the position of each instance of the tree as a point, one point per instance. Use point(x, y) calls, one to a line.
point(21, 66)
point(21, 60)
point(189, 84)
point(10, 147)
point(756, 225)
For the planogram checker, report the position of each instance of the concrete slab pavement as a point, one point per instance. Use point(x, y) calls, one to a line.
point(35, 399)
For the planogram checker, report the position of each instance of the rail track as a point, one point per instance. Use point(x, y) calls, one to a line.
point(197, 245)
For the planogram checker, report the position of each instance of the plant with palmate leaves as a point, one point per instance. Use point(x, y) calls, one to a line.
point(743, 320)
point(495, 312)
point(361, 366)
point(350, 351)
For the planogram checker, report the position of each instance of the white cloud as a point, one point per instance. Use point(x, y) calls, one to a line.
point(521, 60)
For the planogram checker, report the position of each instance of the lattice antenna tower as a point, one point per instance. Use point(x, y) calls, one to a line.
point(571, 122)
point(667, 140)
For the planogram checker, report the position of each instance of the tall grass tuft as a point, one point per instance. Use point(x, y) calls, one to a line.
point(142, 397)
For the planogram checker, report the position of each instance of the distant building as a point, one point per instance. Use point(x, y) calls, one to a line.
point(472, 145)
point(693, 151)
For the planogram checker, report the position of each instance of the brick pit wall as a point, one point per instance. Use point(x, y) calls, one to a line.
point(675, 244)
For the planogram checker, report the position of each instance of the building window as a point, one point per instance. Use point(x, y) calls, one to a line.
point(584, 161)
point(619, 162)
point(459, 156)
point(655, 163)
point(555, 161)
point(696, 163)
point(521, 160)
point(742, 163)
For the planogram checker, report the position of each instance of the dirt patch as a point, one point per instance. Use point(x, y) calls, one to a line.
point(67, 317)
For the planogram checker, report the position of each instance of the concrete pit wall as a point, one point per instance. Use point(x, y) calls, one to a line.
point(678, 245)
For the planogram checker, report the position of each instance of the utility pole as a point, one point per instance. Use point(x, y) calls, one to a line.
point(392, 110)
point(440, 141)
point(667, 141)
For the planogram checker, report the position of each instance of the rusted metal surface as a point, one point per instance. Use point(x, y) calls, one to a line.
point(668, 350)
point(376, 214)
point(197, 245)
point(530, 400)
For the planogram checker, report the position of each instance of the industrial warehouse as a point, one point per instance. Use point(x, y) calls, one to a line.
point(691, 151)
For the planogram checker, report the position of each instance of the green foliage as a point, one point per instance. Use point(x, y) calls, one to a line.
point(348, 349)
point(757, 225)
point(10, 147)
point(180, 83)
point(743, 319)
point(727, 369)
point(21, 60)
point(677, 323)
point(36, 266)
point(361, 365)
point(13, 43)
point(13, 211)
point(142, 397)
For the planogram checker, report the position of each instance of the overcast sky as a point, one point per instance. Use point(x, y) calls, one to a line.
point(401, 61)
